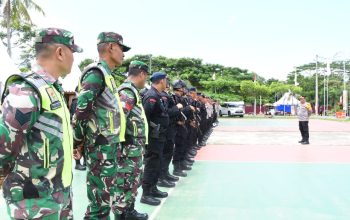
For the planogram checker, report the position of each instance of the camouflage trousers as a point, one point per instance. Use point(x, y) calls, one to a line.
point(100, 181)
point(129, 173)
point(56, 207)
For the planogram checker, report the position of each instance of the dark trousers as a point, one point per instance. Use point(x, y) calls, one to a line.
point(192, 137)
point(180, 144)
point(168, 153)
point(304, 130)
point(203, 128)
point(153, 163)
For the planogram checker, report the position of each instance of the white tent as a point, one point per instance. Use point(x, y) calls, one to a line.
point(287, 99)
point(7, 66)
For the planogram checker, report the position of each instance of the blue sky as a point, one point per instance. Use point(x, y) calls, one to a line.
point(268, 37)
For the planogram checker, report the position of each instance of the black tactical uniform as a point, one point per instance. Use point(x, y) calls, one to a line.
point(158, 121)
point(166, 179)
point(182, 132)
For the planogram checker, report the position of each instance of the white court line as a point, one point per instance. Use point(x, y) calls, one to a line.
point(156, 211)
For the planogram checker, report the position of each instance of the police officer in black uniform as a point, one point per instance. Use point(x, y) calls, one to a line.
point(158, 120)
point(193, 127)
point(179, 87)
point(166, 179)
point(204, 121)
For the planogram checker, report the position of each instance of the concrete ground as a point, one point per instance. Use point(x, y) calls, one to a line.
point(255, 169)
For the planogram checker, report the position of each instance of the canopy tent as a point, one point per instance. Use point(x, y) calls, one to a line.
point(7, 66)
point(287, 103)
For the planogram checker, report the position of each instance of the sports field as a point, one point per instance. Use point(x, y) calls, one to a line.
point(254, 169)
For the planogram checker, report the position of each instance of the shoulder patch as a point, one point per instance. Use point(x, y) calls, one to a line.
point(55, 103)
point(152, 100)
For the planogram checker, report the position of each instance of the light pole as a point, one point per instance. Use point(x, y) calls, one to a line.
point(150, 63)
point(316, 87)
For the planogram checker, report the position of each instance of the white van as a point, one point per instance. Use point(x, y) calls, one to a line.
point(232, 109)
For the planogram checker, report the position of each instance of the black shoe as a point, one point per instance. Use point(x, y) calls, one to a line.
point(187, 163)
point(179, 172)
point(134, 215)
point(158, 194)
point(171, 178)
point(119, 216)
point(305, 142)
point(196, 147)
point(188, 159)
point(185, 167)
point(150, 200)
point(192, 153)
point(80, 167)
point(165, 183)
point(300, 141)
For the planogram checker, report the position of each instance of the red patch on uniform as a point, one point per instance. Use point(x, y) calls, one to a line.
point(152, 100)
point(128, 106)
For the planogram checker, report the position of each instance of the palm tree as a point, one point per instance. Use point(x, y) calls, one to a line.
point(16, 13)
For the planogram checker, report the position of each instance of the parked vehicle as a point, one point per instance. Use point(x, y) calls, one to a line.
point(232, 109)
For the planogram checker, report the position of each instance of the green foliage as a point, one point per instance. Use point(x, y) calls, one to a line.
point(84, 63)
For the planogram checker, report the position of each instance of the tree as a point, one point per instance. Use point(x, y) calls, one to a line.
point(15, 15)
point(84, 63)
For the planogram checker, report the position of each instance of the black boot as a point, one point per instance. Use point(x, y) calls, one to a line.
point(187, 163)
point(155, 192)
point(149, 199)
point(178, 170)
point(196, 147)
point(171, 178)
point(165, 183)
point(190, 160)
point(132, 214)
point(184, 166)
point(80, 167)
point(192, 152)
point(119, 216)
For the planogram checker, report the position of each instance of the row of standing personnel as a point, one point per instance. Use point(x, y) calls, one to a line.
point(110, 127)
point(180, 124)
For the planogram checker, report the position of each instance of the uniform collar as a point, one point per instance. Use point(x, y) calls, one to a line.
point(131, 83)
point(45, 75)
point(105, 65)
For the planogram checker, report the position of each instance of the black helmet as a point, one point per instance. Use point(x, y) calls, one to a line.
point(178, 84)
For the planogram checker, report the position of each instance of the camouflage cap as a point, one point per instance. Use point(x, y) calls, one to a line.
point(135, 64)
point(111, 37)
point(57, 36)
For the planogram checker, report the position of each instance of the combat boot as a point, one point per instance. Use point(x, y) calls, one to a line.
point(155, 192)
point(192, 152)
point(147, 198)
point(119, 216)
point(132, 214)
point(187, 163)
point(80, 167)
point(178, 170)
point(165, 183)
point(184, 166)
point(170, 177)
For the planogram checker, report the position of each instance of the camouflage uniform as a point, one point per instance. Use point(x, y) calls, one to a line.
point(100, 127)
point(130, 154)
point(36, 142)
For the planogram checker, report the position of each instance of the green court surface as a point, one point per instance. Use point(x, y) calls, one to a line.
point(256, 185)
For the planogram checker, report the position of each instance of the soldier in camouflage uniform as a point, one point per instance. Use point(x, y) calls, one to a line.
point(36, 143)
point(100, 124)
point(136, 137)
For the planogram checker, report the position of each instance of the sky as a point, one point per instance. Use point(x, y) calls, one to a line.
point(268, 37)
